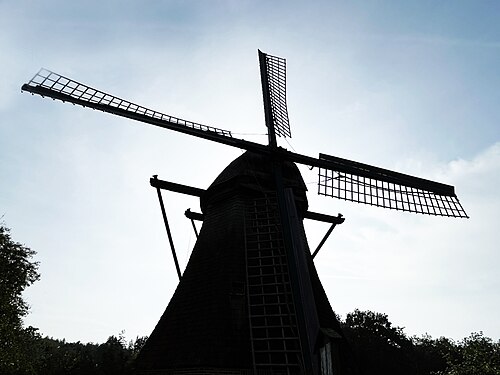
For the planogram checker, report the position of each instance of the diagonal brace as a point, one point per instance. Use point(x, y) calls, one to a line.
point(169, 234)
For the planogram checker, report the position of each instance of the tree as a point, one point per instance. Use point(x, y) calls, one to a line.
point(380, 347)
point(430, 354)
point(17, 272)
point(474, 355)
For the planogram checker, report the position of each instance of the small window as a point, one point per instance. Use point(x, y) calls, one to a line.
point(326, 359)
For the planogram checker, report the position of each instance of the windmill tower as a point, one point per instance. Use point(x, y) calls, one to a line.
point(250, 300)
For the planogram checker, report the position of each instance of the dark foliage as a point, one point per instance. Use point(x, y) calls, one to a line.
point(474, 355)
point(17, 272)
point(379, 347)
point(115, 356)
point(383, 349)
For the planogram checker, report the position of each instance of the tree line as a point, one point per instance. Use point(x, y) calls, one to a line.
point(377, 346)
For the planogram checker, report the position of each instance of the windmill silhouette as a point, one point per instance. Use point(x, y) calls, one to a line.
point(250, 300)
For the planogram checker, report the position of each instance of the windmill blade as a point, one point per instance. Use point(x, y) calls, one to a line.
point(56, 86)
point(273, 78)
point(363, 183)
point(49, 84)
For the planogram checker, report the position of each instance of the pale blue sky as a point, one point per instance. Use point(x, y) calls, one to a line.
point(411, 86)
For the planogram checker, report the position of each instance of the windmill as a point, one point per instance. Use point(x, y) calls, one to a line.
point(250, 300)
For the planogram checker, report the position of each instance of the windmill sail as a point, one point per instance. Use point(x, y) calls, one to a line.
point(56, 86)
point(363, 183)
point(273, 76)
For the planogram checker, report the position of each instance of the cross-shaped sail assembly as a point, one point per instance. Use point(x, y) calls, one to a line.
point(338, 178)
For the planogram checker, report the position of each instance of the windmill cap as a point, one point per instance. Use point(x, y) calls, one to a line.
point(251, 175)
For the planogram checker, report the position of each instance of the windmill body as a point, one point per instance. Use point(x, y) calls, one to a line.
point(250, 300)
point(234, 309)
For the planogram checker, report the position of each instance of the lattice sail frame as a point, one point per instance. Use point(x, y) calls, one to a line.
point(393, 195)
point(276, 79)
point(81, 93)
point(352, 181)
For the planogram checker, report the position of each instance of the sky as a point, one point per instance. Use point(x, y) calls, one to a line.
point(409, 86)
